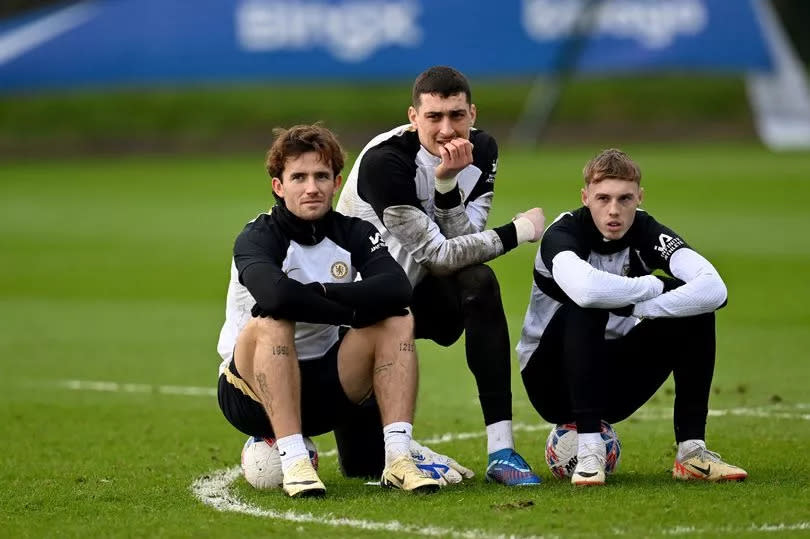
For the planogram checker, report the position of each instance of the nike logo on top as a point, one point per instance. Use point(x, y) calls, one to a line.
point(398, 431)
point(587, 474)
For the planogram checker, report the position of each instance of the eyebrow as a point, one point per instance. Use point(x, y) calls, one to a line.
point(453, 111)
point(603, 194)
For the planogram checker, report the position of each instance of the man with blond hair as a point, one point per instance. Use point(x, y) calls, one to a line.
point(602, 333)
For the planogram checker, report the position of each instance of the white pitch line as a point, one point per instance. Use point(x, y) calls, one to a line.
point(115, 387)
point(213, 490)
point(770, 411)
point(736, 530)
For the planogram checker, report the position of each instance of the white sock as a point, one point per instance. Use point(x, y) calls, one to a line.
point(397, 438)
point(499, 436)
point(291, 448)
point(445, 186)
point(688, 446)
point(589, 443)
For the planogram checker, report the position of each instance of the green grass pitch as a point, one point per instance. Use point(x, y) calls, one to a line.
point(115, 270)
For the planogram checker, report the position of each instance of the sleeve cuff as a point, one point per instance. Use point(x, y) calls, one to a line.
point(508, 235)
point(448, 200)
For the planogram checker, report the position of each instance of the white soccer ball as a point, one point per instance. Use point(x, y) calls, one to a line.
point(261, 463)
point(562, 445)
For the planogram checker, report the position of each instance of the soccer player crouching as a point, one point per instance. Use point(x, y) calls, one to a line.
point(288, 368)
point(602, 334)
point(428, 187)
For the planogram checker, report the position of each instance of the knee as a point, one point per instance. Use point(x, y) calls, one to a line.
point(399, 325)
point(479, 286)
point(271, 330)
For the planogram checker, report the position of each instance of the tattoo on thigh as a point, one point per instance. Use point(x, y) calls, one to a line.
point(280, 350)
point(406, 347)
point(382, 368)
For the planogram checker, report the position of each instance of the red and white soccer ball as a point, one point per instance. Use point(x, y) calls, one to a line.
point(261, 463)
point(561, 449)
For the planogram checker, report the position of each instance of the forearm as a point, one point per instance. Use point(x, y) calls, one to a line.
point(385, 292)
point(589, 287)
point(456, 219)
point(703, 291)
point(288, 299)
point(424, 240)
point(454, 222)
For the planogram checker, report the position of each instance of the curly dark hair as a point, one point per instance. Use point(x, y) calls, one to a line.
point(300, 139)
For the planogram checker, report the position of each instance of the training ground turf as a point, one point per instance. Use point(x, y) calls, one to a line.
point(112, 288)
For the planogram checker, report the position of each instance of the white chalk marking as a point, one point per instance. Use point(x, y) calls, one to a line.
point(115, 387)
point(213, 490)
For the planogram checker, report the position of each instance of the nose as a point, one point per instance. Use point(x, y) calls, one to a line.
point(311, 186)
point(613, 209)
point(446, 127)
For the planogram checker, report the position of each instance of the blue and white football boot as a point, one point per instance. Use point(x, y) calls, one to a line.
point(507, 467)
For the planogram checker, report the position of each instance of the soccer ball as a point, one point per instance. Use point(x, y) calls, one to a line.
point(261, 463)
point(561, 449)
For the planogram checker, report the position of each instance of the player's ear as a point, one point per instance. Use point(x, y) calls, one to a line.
point(584, 195)
point(338, 181)
point(640, 194)
point(278, 187)
point(412, 115)
point(473, 114)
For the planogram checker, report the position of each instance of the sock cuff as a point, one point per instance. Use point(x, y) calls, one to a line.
point(398, 427)
point(590, 443)
point(499, 436)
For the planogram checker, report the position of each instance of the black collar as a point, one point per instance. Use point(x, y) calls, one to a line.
point(598, 242)
point(300, 230)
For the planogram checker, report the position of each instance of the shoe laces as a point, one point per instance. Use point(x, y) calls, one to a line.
point(303, 467)
point(705, 454)
point(512, 459)
point(591, 462)
point(593, 459)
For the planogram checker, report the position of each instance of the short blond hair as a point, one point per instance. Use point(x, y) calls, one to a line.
point(611, 164)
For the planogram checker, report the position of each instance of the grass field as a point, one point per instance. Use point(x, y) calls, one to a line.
point(112, 294)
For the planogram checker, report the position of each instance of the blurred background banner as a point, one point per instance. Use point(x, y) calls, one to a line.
point(151, 43)
point(126, 41)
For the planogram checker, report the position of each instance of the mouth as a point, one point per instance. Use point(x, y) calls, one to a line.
point(613, 225)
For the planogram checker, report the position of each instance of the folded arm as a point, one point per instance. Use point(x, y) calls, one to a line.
point(704, 291)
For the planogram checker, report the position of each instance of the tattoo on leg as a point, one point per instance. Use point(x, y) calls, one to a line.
point(264, 391)
point(382, 368)
point(280, 350)
point(406, 347)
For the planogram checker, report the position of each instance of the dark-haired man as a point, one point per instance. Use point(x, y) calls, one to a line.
point(428, 187)
point(602, 334)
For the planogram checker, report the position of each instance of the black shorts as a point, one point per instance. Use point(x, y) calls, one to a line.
point(436, 308)
point(323, 401)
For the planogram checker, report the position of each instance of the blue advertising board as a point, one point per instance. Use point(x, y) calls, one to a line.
point(110, 42)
